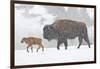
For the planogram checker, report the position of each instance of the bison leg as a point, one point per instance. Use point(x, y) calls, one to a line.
point(66, 44)
point(80, 42)
point(87, 40)
point(59, 43)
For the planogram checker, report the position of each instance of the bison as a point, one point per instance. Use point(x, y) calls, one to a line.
point(64, 29)
point(33, 40)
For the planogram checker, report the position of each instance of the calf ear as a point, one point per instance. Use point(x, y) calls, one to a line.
point(24, 38)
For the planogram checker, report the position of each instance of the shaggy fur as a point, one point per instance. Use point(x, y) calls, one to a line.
point(64, 29)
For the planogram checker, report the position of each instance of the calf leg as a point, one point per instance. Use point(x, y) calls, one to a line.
point(80, 42)
point(38, 48)
point(27, 49)
point(31, 48)
point(42, 47)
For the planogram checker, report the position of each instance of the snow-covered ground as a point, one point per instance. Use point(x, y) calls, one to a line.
point(52, 55)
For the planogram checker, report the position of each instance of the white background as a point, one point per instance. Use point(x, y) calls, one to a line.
point(5, 35)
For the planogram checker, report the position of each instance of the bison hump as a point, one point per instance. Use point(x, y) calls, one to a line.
point(63, 25)
point(68, 25)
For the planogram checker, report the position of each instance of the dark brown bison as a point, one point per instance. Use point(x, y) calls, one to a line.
point(33, 40)
point(64, 29)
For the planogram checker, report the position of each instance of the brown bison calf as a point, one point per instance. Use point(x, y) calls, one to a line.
point(33, 40)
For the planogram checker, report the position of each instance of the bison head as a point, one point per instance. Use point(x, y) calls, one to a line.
point(49, 32)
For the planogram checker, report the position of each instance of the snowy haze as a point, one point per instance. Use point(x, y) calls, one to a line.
point(30, 20)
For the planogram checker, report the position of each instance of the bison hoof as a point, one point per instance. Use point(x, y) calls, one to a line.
point(89, 47)
point(58, 48)
point(78, 47)
point(65, 48)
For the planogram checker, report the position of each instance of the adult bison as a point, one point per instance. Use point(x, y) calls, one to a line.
point(64, 29)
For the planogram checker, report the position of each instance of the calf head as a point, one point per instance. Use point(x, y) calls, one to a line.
point(23, 40)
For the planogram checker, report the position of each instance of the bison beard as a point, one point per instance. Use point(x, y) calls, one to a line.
point(64, 29)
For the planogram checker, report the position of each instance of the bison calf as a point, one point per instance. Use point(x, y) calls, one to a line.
point(33, 40)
